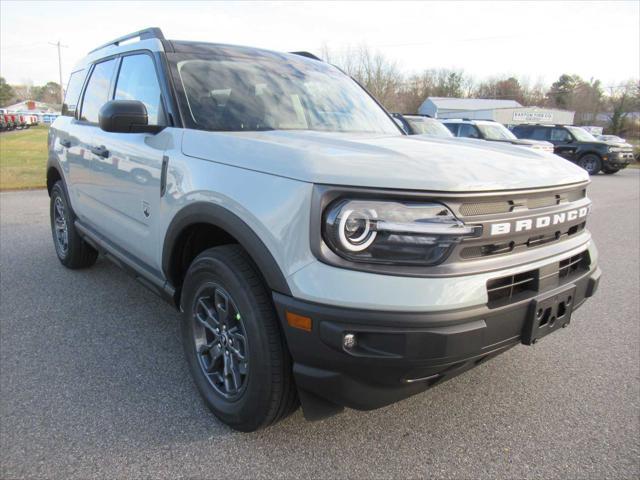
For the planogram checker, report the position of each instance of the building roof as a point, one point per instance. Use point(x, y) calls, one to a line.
point(448, 103)
point(39, 107)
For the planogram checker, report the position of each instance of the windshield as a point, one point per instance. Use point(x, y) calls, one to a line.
point(258, 93)
point(581, 134)
point(495, 131)
point(428, 126)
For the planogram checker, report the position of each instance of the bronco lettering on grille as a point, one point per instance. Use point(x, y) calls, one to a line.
point(526, 224)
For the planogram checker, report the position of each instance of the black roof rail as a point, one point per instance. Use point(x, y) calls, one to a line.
point(308, 55)
point(147, 33)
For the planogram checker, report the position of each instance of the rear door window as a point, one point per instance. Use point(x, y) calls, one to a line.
point(539, 134)
point(469, 131)
point(453, 128)
point(137, 80)
point(560, 135)
point(97, 91)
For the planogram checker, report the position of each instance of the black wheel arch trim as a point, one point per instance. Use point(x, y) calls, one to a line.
point(590, 152)
point(53, 163)
point(215, 215)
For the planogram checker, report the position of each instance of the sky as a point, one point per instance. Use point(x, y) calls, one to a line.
point(536, 41)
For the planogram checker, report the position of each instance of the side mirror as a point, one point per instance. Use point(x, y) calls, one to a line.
point(125, 116)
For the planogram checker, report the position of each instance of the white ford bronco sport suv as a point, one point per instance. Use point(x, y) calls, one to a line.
point(317, 253)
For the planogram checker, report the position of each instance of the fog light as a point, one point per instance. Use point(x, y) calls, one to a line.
point(349, 341)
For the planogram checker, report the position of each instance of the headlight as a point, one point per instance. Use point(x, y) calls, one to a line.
point(393, 232)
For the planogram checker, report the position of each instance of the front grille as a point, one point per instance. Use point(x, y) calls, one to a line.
point(542, 202)
point(505, 288)
point(506, 246)
point(511, 288)
point(523, 203)
point(488, 208)
point(570, 266)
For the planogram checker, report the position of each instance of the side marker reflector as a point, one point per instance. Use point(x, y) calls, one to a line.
point(298, 321)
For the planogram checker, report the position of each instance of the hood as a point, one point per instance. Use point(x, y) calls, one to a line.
point(529, 142)
point(625, 145)
point(409, 162)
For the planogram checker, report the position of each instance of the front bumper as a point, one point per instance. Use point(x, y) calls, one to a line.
point(397, 354)
point(618, 159)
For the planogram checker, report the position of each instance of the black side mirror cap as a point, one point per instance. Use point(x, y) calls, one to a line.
point(125, 116)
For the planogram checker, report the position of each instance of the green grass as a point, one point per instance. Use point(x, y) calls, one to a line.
point(23, 158)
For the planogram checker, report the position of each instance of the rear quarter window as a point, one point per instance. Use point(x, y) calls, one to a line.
point(72, 95)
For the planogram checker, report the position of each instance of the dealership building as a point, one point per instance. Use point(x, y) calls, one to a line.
point(507, 112)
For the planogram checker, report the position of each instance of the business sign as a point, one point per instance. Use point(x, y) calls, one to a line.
point(533, 116)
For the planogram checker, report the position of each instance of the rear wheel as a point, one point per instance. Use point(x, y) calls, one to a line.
point(232, 340)
point(591, 163)
point(73, 252)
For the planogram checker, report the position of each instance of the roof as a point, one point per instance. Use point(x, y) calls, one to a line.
point(448, 103)
point(153, 40)
point(468, 120)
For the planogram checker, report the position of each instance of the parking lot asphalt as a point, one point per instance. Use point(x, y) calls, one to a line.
point(93, 383)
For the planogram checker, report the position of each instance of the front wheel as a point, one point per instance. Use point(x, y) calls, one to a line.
point(591, 163)
point(232, 341)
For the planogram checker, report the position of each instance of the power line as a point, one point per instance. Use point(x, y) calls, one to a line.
point(60, 67)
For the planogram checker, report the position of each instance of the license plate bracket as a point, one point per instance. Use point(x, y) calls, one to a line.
point(548, 313)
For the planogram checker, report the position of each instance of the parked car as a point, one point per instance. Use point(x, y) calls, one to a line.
point(579, 146)
point(13, 120)
point(421, 125)
point(3, 123)
point(493, 132)
point(315, 251)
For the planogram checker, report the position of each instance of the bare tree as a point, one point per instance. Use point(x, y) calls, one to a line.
point(380, 76)
point(503, 89)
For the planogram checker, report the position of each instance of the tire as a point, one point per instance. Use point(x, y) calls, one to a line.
point(224, 293)
point(591, 163)
point(609, 170)
point(72, 251)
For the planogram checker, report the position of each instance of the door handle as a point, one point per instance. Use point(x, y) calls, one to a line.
point(101, 151)
point(65, 143)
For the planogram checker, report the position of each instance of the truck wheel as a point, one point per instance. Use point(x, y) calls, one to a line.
point(73, 252)
point(591, 163)
point(232, 340)
point(609, 170)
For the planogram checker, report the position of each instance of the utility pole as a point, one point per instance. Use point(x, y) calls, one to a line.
point(60, 68)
